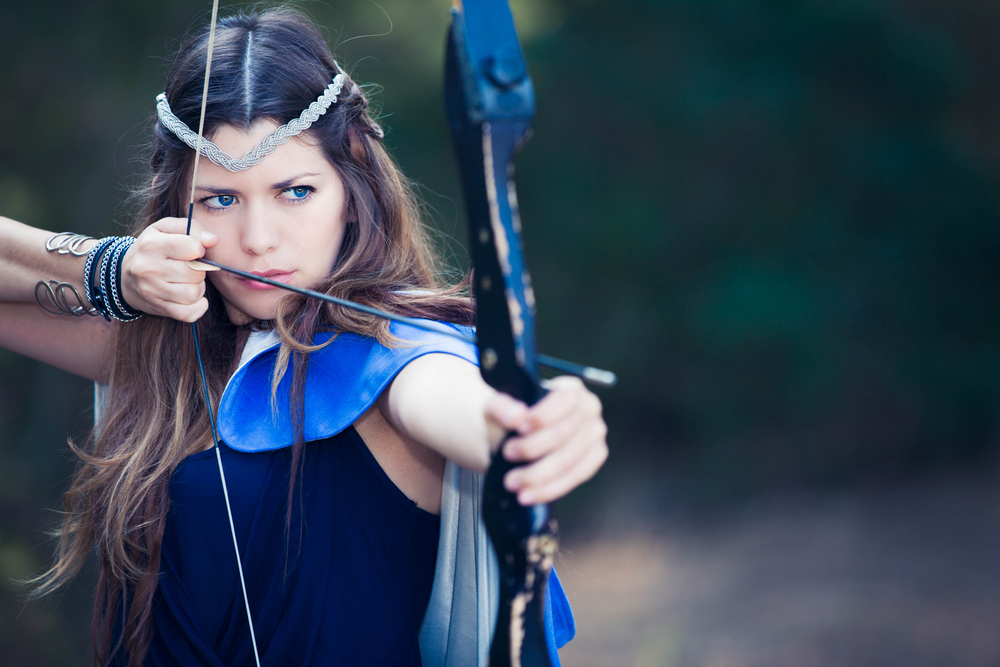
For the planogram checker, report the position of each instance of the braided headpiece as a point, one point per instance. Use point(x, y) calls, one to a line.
point(267, 145)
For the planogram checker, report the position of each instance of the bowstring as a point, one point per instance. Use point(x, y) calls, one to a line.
point(197, 345)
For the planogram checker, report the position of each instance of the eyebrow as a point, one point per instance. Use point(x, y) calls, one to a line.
point(281, 185)
point(216, 191)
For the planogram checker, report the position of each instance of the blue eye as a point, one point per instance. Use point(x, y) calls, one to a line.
point(219, 201)
point(298, 193)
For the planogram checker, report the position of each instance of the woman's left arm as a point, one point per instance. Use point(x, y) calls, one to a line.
point(442, 402)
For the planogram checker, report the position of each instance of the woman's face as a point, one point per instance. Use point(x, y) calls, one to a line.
point(282, 219)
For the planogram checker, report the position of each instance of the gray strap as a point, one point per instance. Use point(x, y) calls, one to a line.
point(463, 606)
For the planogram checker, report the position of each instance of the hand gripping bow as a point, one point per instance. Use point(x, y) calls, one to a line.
point(490, 102)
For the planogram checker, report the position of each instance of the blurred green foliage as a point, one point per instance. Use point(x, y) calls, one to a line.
point(777, 221)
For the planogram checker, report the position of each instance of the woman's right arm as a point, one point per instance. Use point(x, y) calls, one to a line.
point(80, 345)
point(155, 280)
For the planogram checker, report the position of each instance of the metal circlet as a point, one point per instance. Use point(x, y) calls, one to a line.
point(267, 145)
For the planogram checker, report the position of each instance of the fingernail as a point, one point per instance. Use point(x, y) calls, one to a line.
point(509, 451)
point(208, 236)
point(512, 482)
point(512, 412)
point(526, 498)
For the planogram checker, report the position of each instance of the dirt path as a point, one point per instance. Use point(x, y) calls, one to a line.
point(907, 577)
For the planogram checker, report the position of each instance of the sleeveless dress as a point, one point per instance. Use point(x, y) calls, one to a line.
point(360, 575)
point(348, 584)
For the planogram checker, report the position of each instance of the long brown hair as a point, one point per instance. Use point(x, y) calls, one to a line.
point(157, 415)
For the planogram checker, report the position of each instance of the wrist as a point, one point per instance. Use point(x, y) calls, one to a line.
point(102, 276)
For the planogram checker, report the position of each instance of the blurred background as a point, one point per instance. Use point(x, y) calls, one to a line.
point(777, 221)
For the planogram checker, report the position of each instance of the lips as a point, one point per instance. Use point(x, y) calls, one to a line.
point(276, 275)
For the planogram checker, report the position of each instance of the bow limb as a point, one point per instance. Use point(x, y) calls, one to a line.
point(194, 333)
point(490, 102)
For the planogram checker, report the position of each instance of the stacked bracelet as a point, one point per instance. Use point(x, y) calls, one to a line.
point(88, 275)
point(104, 290)
point(120, 310)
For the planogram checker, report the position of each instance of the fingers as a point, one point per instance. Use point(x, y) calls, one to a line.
point(564, 435)
point(155, 278)
point(553, 419)
point(506, 411)
point(168, 238)
point(534, 485)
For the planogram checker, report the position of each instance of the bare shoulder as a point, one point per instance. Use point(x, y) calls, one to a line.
point(416, 470)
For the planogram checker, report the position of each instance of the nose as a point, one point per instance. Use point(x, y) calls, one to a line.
point(259, 234)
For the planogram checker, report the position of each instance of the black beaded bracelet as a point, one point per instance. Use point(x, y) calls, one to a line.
point(95, 295)
point(104, 288)
point(120, 310)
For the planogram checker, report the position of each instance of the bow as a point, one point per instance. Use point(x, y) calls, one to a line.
point(491, 102)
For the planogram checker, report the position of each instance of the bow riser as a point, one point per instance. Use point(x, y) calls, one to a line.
point(505, 301)
point(490, 101)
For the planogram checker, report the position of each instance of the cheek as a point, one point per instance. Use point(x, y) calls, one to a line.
point(228, 243)
point(217, 281)
point(331, 237)
point(336, 242)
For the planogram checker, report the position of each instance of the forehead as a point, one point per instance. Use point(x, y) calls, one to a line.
point(298, 154)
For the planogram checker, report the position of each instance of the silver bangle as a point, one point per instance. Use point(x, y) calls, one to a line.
point(68, 243)
point(58, 300)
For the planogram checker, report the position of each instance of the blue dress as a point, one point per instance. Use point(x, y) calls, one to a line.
point(348, 584)
point(348, 579)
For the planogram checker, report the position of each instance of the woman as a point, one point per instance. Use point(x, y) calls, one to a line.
point(336, 427)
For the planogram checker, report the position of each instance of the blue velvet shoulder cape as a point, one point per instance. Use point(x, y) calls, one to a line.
point(343, 380)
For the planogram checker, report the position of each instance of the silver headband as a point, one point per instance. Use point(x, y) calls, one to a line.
point(266, 146)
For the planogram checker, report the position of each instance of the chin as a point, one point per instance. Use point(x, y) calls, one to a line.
point(240, 314)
